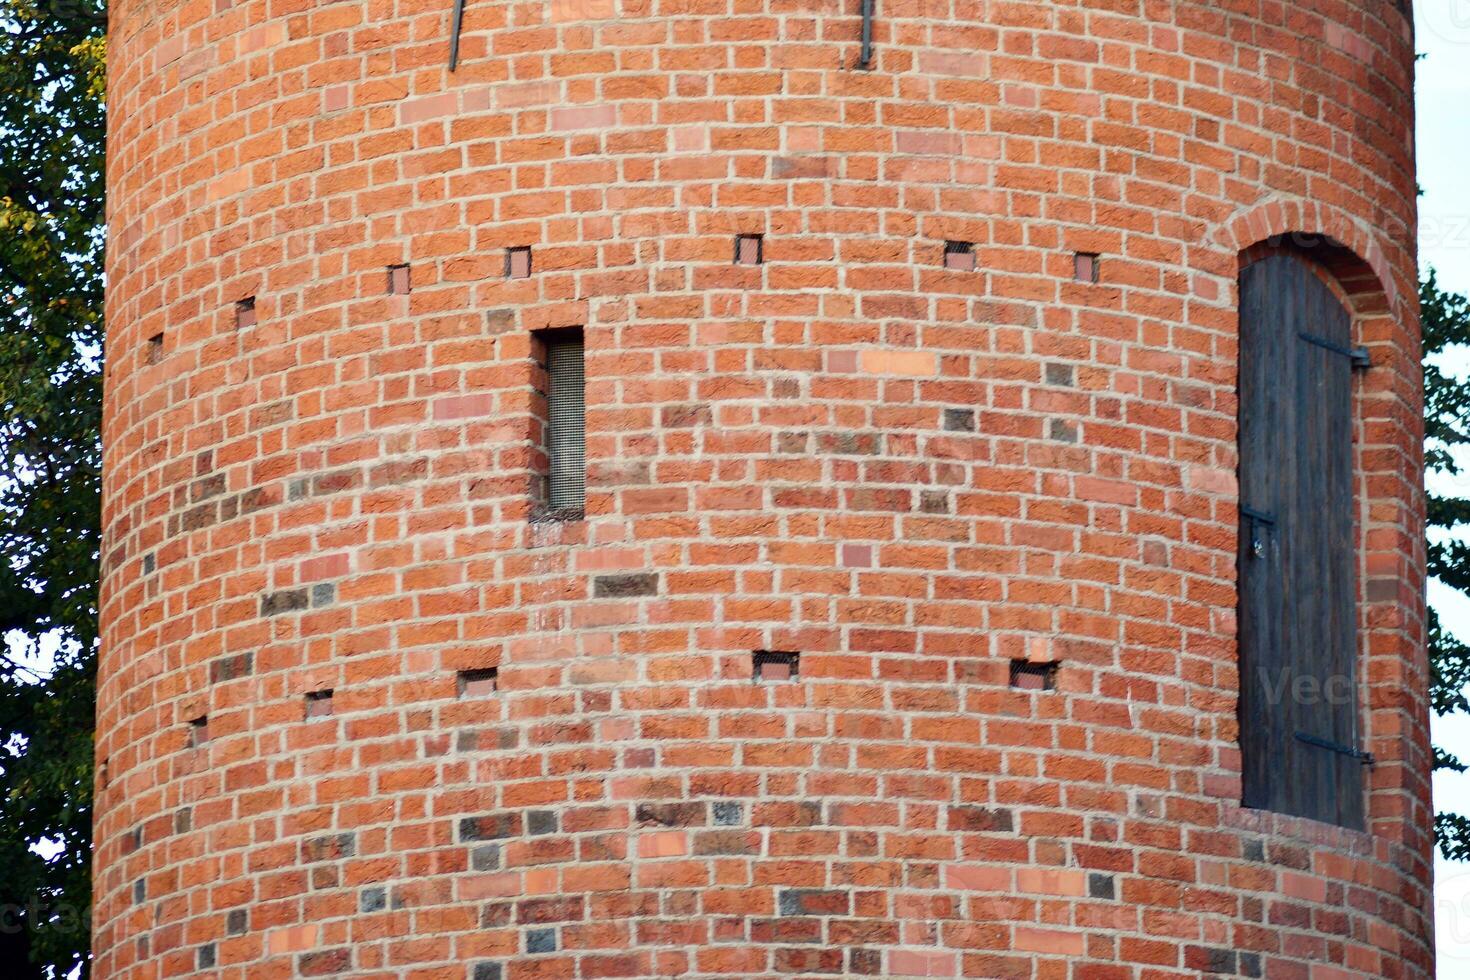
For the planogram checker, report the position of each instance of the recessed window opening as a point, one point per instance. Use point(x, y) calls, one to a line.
point(770, 666)
point(518, 262)
point(959, 256)
point(478, 683)
point(749, 249)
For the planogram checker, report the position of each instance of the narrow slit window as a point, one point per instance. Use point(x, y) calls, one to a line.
point(479, 683)
point(959, 256)
point(318, 704)
point(245, 312)
point(518, 262)
point(1086, 266)
point(770, 666)
point(749, 250)
point(398, 284)
point(565, 429)
point(154, 352)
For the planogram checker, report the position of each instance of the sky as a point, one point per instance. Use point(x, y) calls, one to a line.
point(1443, 137)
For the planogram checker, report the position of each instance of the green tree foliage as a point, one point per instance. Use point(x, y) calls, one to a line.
point(52, 128)
point(1446, 318)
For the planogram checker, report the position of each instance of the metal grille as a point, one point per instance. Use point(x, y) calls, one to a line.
point(566, 437)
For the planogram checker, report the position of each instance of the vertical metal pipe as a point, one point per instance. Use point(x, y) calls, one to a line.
point(454, 33)
point(865, 60)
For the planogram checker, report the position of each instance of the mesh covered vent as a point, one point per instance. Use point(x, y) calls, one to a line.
point(566, 415)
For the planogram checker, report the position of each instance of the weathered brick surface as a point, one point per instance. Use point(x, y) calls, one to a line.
point(910, 475)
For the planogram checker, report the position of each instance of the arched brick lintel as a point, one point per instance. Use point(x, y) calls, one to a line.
point(1353, 254)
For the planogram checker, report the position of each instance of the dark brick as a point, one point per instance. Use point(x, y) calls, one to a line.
point(485, 858)
point(541, 941)
point(1100, 885)
point(815, 901)
point(865, 962)
point(624, 586)
point(485, 971)
point(199, 517)
point(210, 486)
point(491, 826)
point(237, 923)
point(1209, 959)
point(499, 320)
point(324, 962)
point(496, 914)
point(373, 899)
point(1062, 431)
point(728, 814)
point(671, 814)
point(684, 416)
point(229, 668)
point(183, 820)
point(979, 819)
point(289, 600)
point(332, 847)
point(336, 482)
point(206, 956)
point(140, 891)
point(323, 594)
point(1059, 374)
point(258, 498)
point(791, 442)
point(848, 443)
point(541, 822)
point(539, 910)
point(959, 420)
point(934, 501)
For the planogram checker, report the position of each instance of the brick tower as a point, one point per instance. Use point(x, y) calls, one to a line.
point(682, 494)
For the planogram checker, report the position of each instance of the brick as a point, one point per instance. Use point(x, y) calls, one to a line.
point(493, 826)
point(625, 586)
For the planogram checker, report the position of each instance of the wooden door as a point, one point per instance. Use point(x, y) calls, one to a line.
point(1297, 617)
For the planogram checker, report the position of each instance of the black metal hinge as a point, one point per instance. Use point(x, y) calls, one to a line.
point(865, 57)
point(454, 34)
point(1364, 757)
point(1358, 355)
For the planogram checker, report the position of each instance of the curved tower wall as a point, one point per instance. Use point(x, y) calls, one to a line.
point(910, 475)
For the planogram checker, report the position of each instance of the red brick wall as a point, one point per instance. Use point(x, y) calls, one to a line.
point(907, 474)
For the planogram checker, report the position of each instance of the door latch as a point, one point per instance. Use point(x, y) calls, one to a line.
point(1260, 525)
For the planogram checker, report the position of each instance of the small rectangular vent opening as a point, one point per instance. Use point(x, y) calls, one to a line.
point(245, 312)
point(154, 353)
point(198, 731)
point(1086, 266)
point(1029, 676)
point(398, 284)
point(318, 704)
point(518, 262)
point(771, 666)
point(749, 249)
point(959, 256)
point(479, 683)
